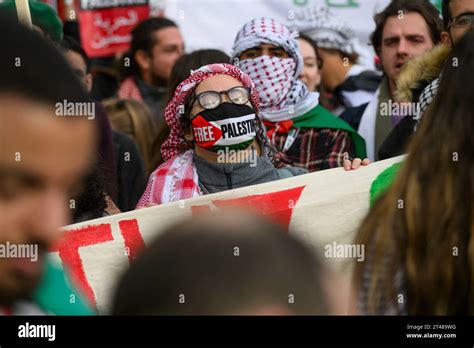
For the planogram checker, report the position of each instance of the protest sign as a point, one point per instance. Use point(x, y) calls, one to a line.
point(105, 25)
point(322, 208)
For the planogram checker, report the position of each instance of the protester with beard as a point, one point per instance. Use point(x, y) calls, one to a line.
point(44, 156)
point(156, 45)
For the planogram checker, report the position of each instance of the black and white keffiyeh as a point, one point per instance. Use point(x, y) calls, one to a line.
point(426, 98)
point(331, 32)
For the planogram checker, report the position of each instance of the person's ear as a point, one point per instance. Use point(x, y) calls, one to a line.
point(143, 60)
point(89, 81)
point(446, 39)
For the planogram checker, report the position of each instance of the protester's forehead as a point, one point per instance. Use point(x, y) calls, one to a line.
point(412, 23)
point(269, 46)
point(306, 49)
point(220, 82)
point(17, 108)
point(43, 142)
point(461, 6)
point(167, 36)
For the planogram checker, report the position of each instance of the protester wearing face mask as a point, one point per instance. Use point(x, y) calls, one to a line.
point(303, 133)
point(216, 140)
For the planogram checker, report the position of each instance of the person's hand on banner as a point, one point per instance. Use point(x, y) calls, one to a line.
point(355, 163)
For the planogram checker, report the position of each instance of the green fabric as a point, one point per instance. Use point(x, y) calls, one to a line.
point(42, 15)
point(383, 181)
point(54, 294)
point(320, 117)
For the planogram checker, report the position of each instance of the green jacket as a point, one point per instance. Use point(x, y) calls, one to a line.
point(56, 296)
point(320, 117)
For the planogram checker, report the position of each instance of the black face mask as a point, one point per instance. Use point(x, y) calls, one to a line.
point(228, 126)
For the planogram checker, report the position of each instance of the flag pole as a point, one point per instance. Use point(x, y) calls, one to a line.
point(23, 12)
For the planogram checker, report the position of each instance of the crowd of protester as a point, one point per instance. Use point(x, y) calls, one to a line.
point(306, 97)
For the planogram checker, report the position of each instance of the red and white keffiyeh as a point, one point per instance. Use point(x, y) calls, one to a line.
point(270, 74)
point(282, 94)
point(177, 179)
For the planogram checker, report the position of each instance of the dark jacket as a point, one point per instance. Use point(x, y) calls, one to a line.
point(131, 180)
point(416, 78)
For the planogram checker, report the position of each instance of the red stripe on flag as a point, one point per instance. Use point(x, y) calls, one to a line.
point(68, 248)
point(132, 238)
point(277, 206)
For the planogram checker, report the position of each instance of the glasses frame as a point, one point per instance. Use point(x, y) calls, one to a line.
point(451, 21)
point(195, 97)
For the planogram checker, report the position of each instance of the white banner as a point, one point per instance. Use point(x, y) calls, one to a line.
point(215, 23)
point(322, 208)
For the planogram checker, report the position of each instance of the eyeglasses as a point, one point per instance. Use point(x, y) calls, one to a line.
point(462, 21)
point(212, 99)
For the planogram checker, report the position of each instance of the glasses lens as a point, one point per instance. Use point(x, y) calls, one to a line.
point(463, 21)
point(238, 95)
point(209, 100)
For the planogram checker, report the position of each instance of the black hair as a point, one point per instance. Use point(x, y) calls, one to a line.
point(33, 68)
point(143, 39)
point(427, 10)
point(91, 203)
point(197, 259)
point(446, 12)
point(71, 44)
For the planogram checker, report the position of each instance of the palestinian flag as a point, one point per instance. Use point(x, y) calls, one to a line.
point(234, 133)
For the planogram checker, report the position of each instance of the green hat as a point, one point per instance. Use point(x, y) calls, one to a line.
point(42, 15)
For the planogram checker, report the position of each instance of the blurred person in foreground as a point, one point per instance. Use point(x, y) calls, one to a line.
point(420, 233)
point(44, 157)
point(225, 263)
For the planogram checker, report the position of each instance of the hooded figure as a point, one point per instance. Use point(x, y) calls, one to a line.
point(304, 134)
point(198, 152)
